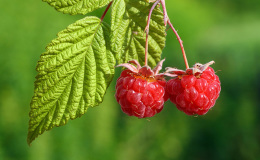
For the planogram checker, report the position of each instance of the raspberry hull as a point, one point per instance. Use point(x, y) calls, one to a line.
point(140, 96)
point(194, 94)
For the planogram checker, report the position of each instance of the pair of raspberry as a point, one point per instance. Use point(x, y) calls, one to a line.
point(141, 91)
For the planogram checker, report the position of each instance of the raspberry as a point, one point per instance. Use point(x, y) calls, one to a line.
point(140, 92)
point(194, 93)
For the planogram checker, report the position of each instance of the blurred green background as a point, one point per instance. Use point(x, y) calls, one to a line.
point(226, 31)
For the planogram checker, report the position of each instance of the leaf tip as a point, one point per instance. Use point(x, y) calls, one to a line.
point(30, 139)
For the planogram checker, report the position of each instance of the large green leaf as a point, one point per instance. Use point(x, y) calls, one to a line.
point(129, 18)
point(73, 74)
point(77, 6)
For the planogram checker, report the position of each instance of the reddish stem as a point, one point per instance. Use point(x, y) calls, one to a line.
point(146, 50)
point(105, 12)
point(147, 32)
point(181, 43)
point(165, 16)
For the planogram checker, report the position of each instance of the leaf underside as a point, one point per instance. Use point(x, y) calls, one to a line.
point(73, 74)
point(129, 18)
point(77, 6)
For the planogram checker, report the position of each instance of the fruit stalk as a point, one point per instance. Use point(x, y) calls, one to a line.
point(166, 20)
point(147, 32)
point(181, 43)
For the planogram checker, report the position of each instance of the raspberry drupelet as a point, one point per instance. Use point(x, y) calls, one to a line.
point(141, 91)
point(195, 90)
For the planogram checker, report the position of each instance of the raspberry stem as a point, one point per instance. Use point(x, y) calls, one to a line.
point(105, 12)
point(147, 31)
point(165, 16)
point(181, 43)
point(166, 20)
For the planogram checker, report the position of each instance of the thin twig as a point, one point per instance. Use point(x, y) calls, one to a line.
point(165, 16)
point(181, 43)
point(147, 32)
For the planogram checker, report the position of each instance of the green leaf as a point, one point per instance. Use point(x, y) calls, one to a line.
point(73, 74)
point(129, 18)
point(77, 6)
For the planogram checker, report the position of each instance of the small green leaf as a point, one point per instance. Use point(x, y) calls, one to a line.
point(73, 74)
point(129, 18)
point(77, 6)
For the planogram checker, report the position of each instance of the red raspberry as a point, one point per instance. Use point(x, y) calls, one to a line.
point(140, 94)
point(194, 93)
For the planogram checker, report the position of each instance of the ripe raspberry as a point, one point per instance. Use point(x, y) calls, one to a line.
point(140, 91)
point(196, 90)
